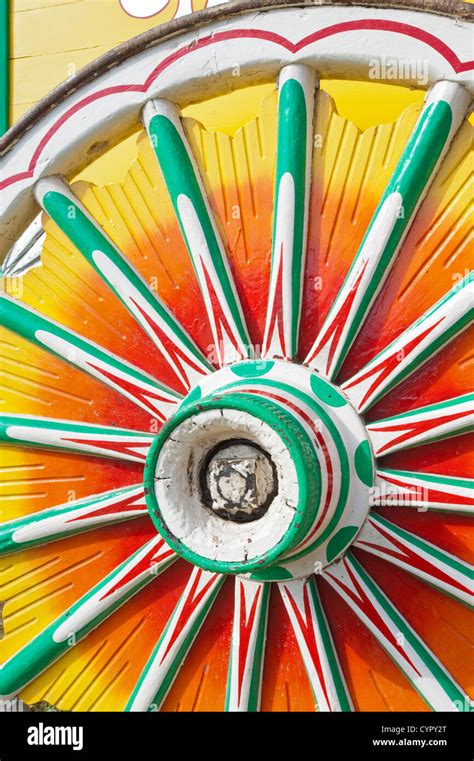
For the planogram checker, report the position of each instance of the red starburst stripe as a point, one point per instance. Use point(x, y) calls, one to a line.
point(386, 366)
point(409, 555)
point(307, 630)
point(134, 390)
point(158, 553)
point(424, 493)
point(122, 447)
point(366, 606)
point(410, 430)
point(190, 604)
point(245, 630)
point(220, 320)
point(334, 330)
point(128, 504)
point(178, 356)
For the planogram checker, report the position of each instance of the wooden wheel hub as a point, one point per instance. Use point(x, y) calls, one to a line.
point(266, 467)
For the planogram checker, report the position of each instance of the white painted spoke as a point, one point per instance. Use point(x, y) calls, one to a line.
point(445, 108)
point(72, 518)
point(296, 94)
point(199, 230)
point(425, 491)
point(175, 641)
point(97, 440)
point(417, 556)
point(85, 615)
point(423, 669)
point(244, 680)
point(440, 324)
point(303, 605)
point(120, 375)
point(98, 249)
point(422, 425)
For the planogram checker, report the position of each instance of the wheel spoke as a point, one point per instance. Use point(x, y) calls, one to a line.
point(296, 94)
point(85, 615)
point(120, 375)
point(425, 491)
point(417, 556)
point(72, 518)
point(419, 426)
point(399, 640)
point(303, 604)
point(199, 230)
point(444, 110)
point(244, 680)
point(156, 319)
point(175, 641)
point(97, 440)
point(440, 324)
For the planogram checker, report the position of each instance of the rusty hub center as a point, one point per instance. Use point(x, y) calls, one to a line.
point(238, 480)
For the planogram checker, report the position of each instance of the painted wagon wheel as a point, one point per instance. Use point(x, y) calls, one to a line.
point(236, 403)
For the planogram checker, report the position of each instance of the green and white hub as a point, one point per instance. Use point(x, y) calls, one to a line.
point(264, 470)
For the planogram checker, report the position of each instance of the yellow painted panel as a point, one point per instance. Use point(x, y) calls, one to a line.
point(35, 76)
point(77, 26)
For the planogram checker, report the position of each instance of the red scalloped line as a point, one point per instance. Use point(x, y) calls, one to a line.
point(347, 26)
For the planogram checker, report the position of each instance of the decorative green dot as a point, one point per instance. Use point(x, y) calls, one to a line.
point(274, 573)
point(192, 397)
point(363, 463)
point(252, 369)
point(339, 541)
point(326, 393)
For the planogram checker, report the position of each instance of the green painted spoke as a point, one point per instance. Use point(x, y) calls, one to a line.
point(72, 518)
point(175, 641)
point(417, 556)
point(304, 608)
point(85, 615)
point(445, 107)
point(422, 425)
point(440, 324)
point(120, 375)
point(199, 230)
point(98, 249)
point(97, 440)
point(421, 667)
point(296, 94)
point(244, 681)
